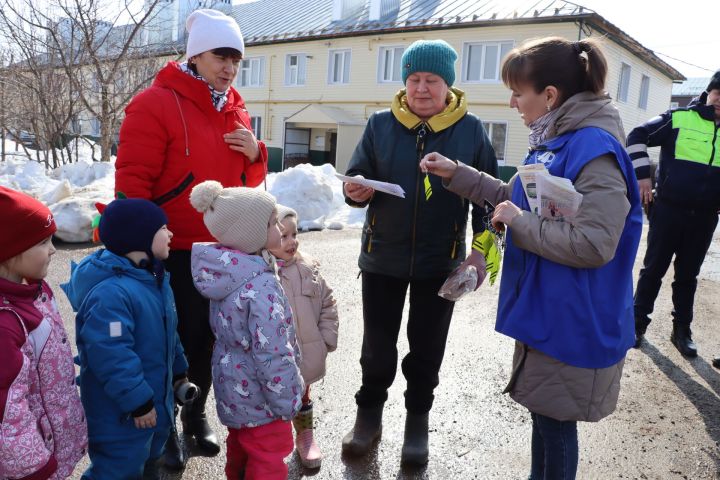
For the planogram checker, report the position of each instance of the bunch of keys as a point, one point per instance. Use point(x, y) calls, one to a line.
point(499, 234)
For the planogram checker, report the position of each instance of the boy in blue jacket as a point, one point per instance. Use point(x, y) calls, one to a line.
point(131, 361)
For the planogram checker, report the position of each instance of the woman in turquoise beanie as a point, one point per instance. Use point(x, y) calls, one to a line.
point(412, 242)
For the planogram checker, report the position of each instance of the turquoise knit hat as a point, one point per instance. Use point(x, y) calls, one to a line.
point(434, 56)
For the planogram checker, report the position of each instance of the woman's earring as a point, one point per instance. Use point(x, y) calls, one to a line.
point(548, 108)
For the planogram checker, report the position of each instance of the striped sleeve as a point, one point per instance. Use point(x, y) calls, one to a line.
point(653, 133)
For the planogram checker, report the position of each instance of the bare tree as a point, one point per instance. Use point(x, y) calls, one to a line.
point(97, 45)
point(36, 94)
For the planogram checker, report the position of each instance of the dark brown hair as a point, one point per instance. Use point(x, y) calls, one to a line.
point(220, 52)
point(571, 67)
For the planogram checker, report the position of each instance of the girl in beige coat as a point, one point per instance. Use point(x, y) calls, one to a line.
point(316, 325)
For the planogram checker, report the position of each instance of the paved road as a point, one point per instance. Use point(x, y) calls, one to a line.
point(667, 425)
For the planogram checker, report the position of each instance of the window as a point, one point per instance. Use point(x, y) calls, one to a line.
point(497, 131)
point(339, 67)
point(674, 104)
point(251, 72)
point(389, 67)
point(644, 91)
point(95, 126)
point(295, 67)
point(256, 126)
point(481, 61)
point(624, 85)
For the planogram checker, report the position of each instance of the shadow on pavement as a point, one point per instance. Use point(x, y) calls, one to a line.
point(191, 450)
point(362, 467)
point(705, 401)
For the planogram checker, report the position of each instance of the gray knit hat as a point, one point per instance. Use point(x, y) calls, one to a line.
point(237, 217)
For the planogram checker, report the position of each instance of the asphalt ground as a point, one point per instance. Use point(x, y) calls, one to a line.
point(667, 425)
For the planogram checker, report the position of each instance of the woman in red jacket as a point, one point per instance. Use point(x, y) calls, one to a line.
point(191, 125)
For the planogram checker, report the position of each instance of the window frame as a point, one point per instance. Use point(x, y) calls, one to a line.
point(380, 77)
point(346, 54)
point(489, 134)
point(301, 58)
point(261, 73)
point(644, 96)
point(465, 64)
point(256, 126)
point(626, 88)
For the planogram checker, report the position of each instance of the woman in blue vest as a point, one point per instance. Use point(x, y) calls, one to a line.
point(566, 291)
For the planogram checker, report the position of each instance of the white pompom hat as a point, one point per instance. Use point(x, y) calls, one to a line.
point(237, 217)
point(210, 29)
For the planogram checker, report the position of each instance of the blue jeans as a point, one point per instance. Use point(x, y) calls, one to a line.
point(554, 449)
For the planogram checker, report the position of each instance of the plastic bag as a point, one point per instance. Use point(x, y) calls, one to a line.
point(460, 282)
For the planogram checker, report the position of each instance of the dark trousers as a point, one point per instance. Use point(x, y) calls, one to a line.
point(193, 312)
point(554, 449)
point(427, 330)
point(685, 233)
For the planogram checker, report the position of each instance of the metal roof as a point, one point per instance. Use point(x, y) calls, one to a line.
point(278, 21)
point(268, 20)
point(692, 87)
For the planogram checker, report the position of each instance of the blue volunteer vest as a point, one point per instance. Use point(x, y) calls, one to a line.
point(580, 316)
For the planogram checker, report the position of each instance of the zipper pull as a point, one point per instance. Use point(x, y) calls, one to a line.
point(420, 144)
point(420, 140)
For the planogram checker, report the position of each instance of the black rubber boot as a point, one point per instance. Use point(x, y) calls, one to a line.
point(641, 324)
point(367, 430)
point(195, 423)
point(175, 457)
point(682, 339)
point(415, 446)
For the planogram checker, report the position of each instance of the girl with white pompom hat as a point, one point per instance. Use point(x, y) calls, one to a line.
point(257, 382)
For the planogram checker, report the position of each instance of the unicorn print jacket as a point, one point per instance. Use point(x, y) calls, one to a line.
point(255, 357)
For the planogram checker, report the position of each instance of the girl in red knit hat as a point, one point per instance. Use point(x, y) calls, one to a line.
point(43, 433)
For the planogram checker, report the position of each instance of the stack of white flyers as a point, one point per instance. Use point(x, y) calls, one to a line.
point(550, 197)
point(528, 174)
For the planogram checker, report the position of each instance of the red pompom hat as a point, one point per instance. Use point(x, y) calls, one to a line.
point(25, 223)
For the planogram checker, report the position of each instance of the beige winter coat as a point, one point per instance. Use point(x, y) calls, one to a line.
point(539, 382)
point(315, 314)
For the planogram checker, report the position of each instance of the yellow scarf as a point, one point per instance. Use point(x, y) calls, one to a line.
point(456, 109)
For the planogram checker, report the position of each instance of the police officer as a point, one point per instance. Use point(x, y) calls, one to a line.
point(686, 204)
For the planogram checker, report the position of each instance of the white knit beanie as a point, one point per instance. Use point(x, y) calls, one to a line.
point(237, 217)
point(284, 212)
point(210, 29)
